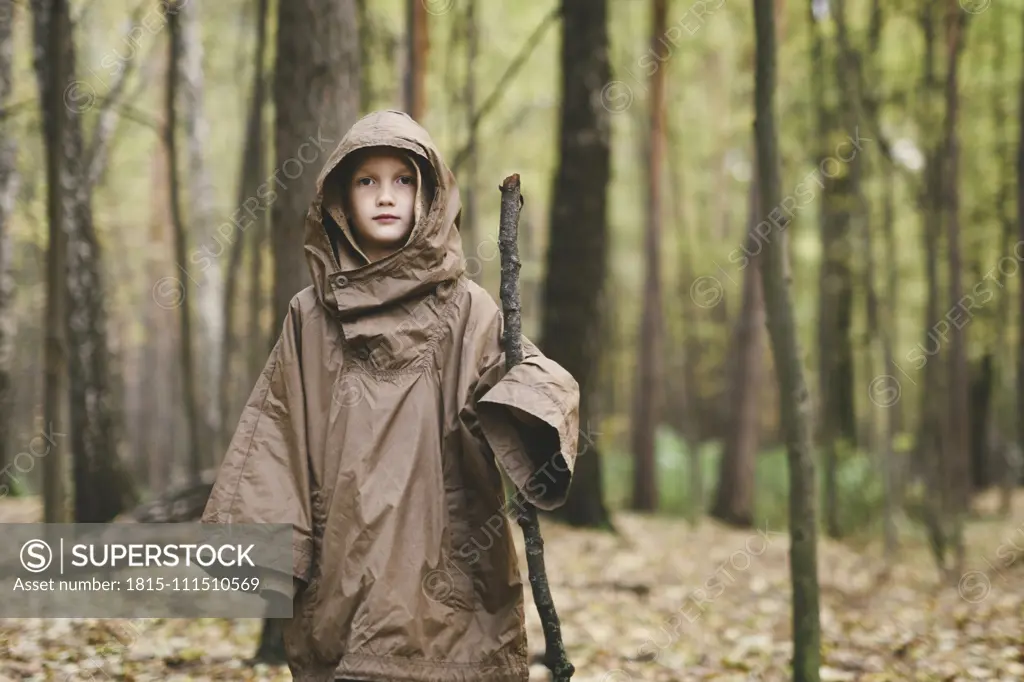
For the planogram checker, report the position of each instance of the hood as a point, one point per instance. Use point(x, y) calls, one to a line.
point(347, 282)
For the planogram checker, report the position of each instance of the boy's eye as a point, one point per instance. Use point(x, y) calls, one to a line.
point(364, 181)
point(405, 180)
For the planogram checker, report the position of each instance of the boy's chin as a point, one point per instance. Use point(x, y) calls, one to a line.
point(386, 241)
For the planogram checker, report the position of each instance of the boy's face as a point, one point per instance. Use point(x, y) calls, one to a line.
point(381, 202)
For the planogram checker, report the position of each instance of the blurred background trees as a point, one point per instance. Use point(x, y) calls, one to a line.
point(144, 266)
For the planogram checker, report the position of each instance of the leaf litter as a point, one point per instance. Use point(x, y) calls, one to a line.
point(661, 600)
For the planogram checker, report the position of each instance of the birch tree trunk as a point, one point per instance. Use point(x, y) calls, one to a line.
point(209, 289)
point(102, 487)
point(250, 173)
point(160, 423)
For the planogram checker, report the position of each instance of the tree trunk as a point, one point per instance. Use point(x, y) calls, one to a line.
point(982, 380)
point(932, 443)
point(885, 399)
point(250, 173)
point(257, 246)
point(469, 177)
point(683, 339)
point(416, 52)
point(734, 500)
point(102, 486)
point(835, 301)
point(1002, 414)
point(884, 389)
point(192, 446)
point(51, 35)
point(316, 95)
point(367, 44)
point(646, 403)
point(884, 338)
point(793, 397)
point(1020, 311)
point(209, 290)
point(158, 428)
point(959, 444)
point(8, 191)
point(577, 256)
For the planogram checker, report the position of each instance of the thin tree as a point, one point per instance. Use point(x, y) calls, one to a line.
point(931, 446)
point(793, 395)
point(896, 470)
point(734, 498)
point(257, 243)
point(646, 404)
point(250, 174)
point(181, 242)
point(835, 284)
point(680, 406)
point(577, 257)
point(958, 444)
point(984, 396)
point(1002, 444)
point(469, 178)
point(160, 416)
point(258, 234)
point(884, 320)
point(209, 292)
point(316, 94)
point(880, 324)
point(1020, 235)
point(8, 190)
point(417, 49)
point(367, 42)
point(51, 33)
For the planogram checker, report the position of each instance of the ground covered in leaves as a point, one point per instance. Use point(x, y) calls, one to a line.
point(661, 600)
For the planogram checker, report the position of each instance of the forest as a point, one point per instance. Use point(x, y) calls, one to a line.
point(777, 244)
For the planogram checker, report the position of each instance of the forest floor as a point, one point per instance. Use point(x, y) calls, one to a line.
point(632, 609)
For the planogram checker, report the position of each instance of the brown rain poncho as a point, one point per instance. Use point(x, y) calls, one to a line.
point(377, 428)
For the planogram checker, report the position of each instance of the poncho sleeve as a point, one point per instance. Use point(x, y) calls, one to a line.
point(528, 417)
point(264, 476)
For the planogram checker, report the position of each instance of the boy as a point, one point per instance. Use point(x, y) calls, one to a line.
point(378, 424)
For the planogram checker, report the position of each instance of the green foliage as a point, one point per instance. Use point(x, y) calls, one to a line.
point(859, 481)
point(673, 473)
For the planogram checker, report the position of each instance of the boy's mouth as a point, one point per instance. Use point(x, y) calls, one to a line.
point(386, 217)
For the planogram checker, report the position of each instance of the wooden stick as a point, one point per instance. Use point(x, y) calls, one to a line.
point(555, 657)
